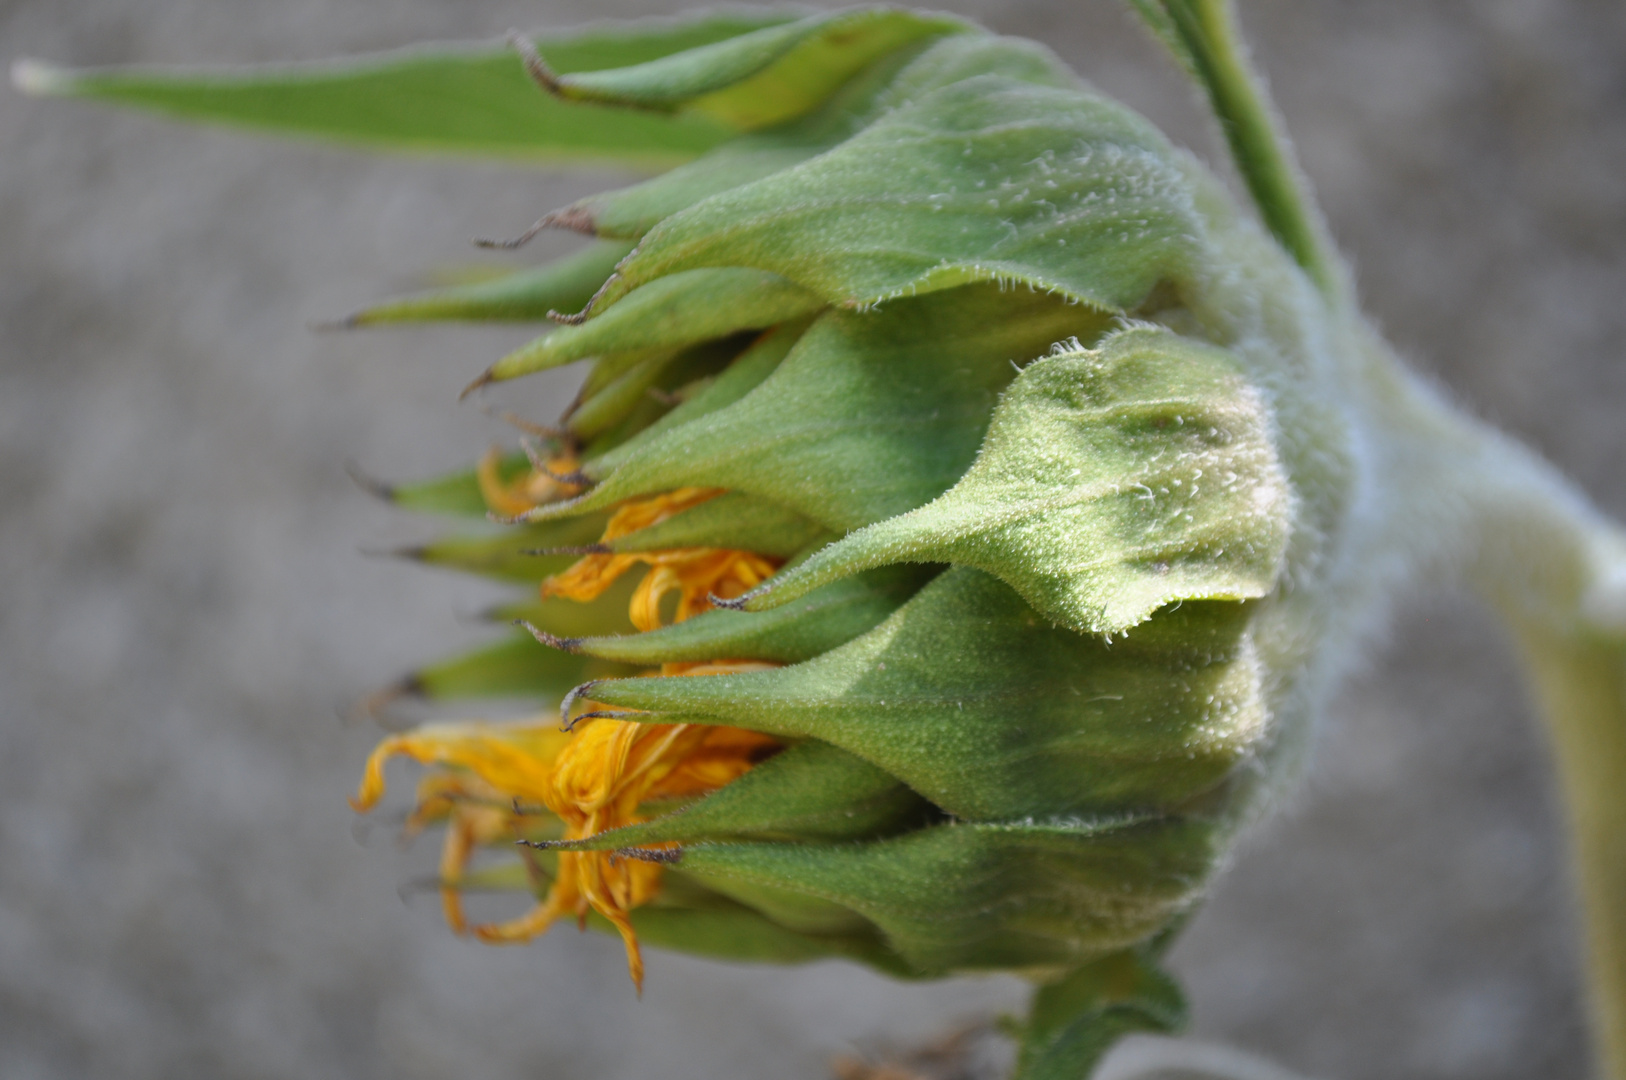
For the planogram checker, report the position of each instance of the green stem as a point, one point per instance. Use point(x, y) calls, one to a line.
point(1203, 35)
point(1555, 569)
point(1581, 685)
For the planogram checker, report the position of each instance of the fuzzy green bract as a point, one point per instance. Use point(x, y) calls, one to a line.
point(1034, 412)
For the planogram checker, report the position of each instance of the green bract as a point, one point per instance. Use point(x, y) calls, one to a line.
point(1079, 483)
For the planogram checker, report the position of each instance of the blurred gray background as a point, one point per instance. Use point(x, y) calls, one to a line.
point(185, 618)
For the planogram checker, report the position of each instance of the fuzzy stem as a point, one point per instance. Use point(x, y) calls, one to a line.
point(1581, 685)
point(1203, 35)
point(1555, 569)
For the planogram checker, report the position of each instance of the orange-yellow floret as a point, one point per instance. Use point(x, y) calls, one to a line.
point(695, 574)
point(494, 782)
point(497, 776)
point(542, 483)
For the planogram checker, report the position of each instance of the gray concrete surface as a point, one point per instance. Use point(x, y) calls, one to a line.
point(184, 615)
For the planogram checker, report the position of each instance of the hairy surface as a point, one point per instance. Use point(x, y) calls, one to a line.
point(181, 617)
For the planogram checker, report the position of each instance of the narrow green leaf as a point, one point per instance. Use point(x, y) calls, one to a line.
point(966, 897)
point(632, 211)
point(976, 702)
point(469, 99)
point(613, 402)
point(794, 909)
point(806, 792)
point(682, 309)
point(747, 371)
point(1113, 481)
point(768, 76)
point(687, 916)
point(740, 934)
point(988, 179)
point(603, 617)
point(1204, 38)
point(507, 555)
point(1156, 17)
point(821, 621)
point(1075, 1020)
point(455, 494)
point(870, 415)
point(609, 367)
point(627, 406)
point(515, 666)
point(525, 296)
point(897, 79)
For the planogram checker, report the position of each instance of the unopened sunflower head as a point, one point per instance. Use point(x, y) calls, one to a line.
point(928, 565)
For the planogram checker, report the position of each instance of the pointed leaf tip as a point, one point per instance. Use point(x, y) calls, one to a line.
point(574, 218)
point(37, 78)
point(449, 98)
point(536, 67)
point(485, 377)
point(552, 641)
point(370, 484)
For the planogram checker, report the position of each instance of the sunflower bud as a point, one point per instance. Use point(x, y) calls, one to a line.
point(937, 418)
point(935, 567)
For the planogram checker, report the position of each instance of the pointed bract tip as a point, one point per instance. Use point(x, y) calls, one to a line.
point(375, 706)
point(592, 304)
point(552, 641)
point(513, 419)
point(485, 377)
point(541, 845)
point(513, 242)
point(347, 322)
point(574, 218)
point(536, 67)
point(735, 604)
point(36, 78)
point(570, 320)
point(600, 714)
point(371, 485)
point(571, 698)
